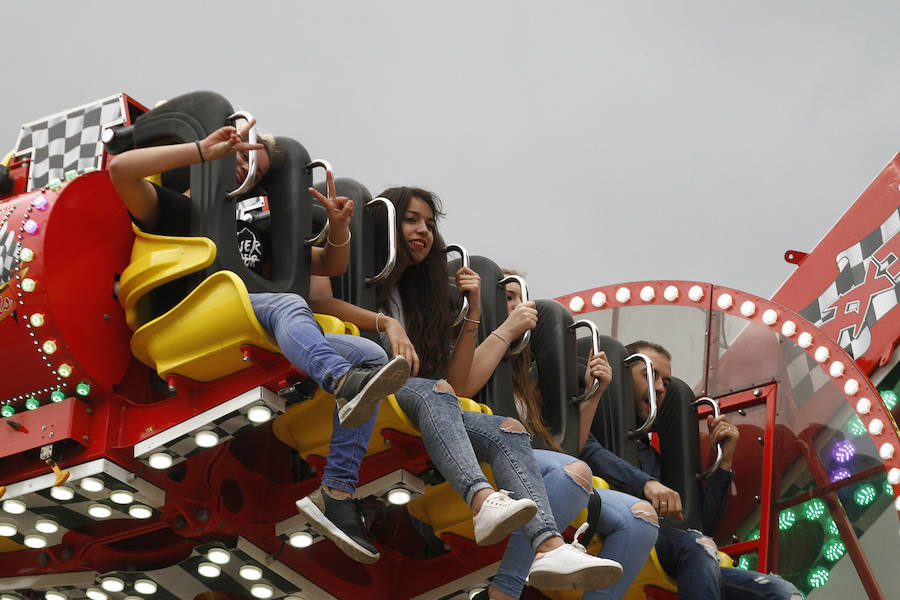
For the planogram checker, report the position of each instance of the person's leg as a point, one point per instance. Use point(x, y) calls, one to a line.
point(751, 585)
point(357, 387)
point(567, 492)
point(693, 560)
point(629, 528)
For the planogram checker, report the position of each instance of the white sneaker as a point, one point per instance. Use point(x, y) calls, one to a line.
point(569, 567)
point(499, 515)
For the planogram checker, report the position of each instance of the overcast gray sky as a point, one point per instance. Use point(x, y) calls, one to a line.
point(586, 142)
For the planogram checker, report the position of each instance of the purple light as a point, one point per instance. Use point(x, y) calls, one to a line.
point(30, 226)
point(839, 474)
point(39, 203)
point(843, 451)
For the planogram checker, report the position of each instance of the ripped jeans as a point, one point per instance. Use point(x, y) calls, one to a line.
point(627, 536)
point(689, 558)
point(456, 440)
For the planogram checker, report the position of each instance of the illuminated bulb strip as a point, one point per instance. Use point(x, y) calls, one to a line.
point(28, 284)
point(770, 317)
point(748, 308)
point(725, 301)
point(821, 354)
point(49, 347)
point(851, 386)
point(36, 320)
point(670, 293)
point(598, 299)
point(648, 293)
point(576, 304)
point(876, 427)
point(788, 329)
point(804, 340)
point(893, 476)
point(863, 406)
point(623, 295)
point(695, 293)
point(886, 451)
point(26, 255)
point(836, 369)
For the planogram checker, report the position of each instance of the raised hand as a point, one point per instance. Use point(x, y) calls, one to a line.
point(598, 368)
point(338, 208)
point(225, 140)
point(721, 430)
point(468, 283)
point(523, 318)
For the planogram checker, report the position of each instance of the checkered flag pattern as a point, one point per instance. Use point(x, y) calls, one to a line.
point(852, 267)
point(225, 428)
point(69, 140)
point(804, 374)
point(8, 253)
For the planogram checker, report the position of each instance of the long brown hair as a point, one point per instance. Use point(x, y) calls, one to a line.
point(526, 389)
point(424, 287)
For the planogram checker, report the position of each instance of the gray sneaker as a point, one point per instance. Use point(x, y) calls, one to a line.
point(364, 387)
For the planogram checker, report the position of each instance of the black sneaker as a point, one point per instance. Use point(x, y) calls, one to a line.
point(342, 524)
point(364, 387)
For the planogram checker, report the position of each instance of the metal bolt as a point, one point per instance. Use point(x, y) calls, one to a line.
point(757, 499)
point(203, 515)
point(760, 440)
point(50, 434)
point(757, 392)
point(43, 428)
point(742, 412)
point(84, 437)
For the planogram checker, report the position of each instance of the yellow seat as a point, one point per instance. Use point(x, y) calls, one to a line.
point(201, 337)
point(156, 260)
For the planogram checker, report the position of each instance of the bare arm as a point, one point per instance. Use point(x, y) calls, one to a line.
point(468, 283)
point(493, 348)
point(332, 259)
point(322, 300)
point(598, 368)
point(127, 171)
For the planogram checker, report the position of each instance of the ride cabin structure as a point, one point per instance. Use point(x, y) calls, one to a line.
point(153, 440)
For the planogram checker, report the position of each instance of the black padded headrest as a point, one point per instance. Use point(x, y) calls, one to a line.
point(615, 412)
point(553, 349)
point(679, 444)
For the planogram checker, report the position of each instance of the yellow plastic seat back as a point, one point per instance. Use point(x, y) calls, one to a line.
point(201, 337)
point(157, 260)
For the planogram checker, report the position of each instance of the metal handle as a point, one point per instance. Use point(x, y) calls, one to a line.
point(250, 179)
point(526, 337)
point(320, 162)
point(595, 343)
point(715, 408)
point(391, 237)
point(465, 262)
point(651, 378)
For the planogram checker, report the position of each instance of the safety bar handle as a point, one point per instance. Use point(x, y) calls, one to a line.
point(651, 378)
point(391, 239)
point(595, 344)
point(715, 408)
point(320, 162)
point(523, 285)
point(465, 262)
point(250, 179)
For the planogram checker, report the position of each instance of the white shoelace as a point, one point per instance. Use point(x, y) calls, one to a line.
point(575, 543)
point(494, 500)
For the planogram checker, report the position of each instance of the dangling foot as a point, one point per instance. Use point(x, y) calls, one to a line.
point(499, 515)
point(570, 567)
point(341, 523)
point(362, 388)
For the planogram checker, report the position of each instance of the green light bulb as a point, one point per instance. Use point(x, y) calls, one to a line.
point(58, 396)
point(855, 426)
point(864, 494)
point(831, 527)
point(814, 509)
point(32, 403)
point(818, 577)
point(889, 397)
point(786, 519)
point(7, 410)
point(835, 550)
point(64, 370)
point(744, 563)
point(83, 388)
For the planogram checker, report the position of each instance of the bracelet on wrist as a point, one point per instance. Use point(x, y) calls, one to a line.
point(342, 244)
point(199, 151)
point(468, 320)
point(501, 338)
point(378, 316)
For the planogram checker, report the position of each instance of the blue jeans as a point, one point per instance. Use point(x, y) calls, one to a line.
point(627, 538)
point(325, 358)
point(456, 440)
point(699, 575)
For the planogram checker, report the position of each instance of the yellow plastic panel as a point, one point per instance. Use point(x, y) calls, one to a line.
point(201, 337)
point(445, 510)
point(156, 260)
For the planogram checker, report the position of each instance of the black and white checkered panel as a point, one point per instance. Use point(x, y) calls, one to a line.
point(69, 140)
point(225, 427)
point(851, 265)
point(804, 374)
point(8, 252)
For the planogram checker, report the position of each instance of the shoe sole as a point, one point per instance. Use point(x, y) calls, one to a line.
point(323, 525)
point(596, 577)
point(388, 380)
point(504, 528)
